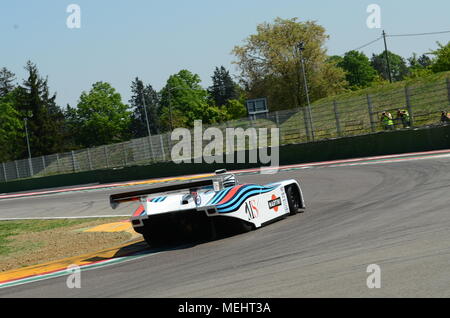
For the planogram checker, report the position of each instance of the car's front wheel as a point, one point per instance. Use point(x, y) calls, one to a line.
point(293, 197)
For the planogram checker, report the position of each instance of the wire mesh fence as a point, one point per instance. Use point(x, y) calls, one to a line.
point(324, 120)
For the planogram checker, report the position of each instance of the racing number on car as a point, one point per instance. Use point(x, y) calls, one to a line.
point(251, 210)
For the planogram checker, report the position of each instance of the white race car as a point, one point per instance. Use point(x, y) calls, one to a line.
point(204, 208)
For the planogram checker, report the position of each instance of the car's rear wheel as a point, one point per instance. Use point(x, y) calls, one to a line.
point(293, 197)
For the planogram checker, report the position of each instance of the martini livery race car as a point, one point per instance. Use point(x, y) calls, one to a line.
point(206, 207)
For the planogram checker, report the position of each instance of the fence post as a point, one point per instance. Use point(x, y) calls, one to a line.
point(370, 108)
point(162, 147)
point(305, 119)
point(338, 120)
point(124, 154)
point(448, 89)
point(408, 104)
point(73, 161)
point(30, 164)
point(17, 169)
point(57, 163)
point(4, 172)
point(105, 149)
point(89, 159)
point(169, 143)
point(152, 154)
point(277, 120)
point(43, 162)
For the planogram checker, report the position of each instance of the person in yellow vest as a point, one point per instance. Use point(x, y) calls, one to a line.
point(403, 117)
point(386, 121)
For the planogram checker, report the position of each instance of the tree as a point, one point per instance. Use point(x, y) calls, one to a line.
point(442, 58)
point(183, 100)
point(270, 65)
point(140, 96)
point(101, 117)
point(419, 66)
point(6, 81)
point(33, 101)
point(223, 87)
point(11, 129)
point(421, 62)
point(235, 109)
point(359, 71)
point(397, 65)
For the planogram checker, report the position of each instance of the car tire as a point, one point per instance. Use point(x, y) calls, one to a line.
point(293, 198)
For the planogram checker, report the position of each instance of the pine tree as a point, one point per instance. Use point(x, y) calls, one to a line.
point(45, 118)
point(140, 96)
point(223, 88)
point(6, 81)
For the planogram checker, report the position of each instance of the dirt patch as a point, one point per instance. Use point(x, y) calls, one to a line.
point(43, 246)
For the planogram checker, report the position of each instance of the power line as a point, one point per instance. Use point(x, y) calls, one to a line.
point(417, 34)
point(365, 45)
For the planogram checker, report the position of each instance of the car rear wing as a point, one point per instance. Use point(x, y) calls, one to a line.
point(119, 198)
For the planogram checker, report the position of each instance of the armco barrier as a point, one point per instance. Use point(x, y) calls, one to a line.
point(383, 143)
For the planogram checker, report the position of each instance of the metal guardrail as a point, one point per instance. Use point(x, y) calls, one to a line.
point(332, 119)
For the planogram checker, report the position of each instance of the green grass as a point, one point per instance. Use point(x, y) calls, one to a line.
point(428, 96)
point(8, 229)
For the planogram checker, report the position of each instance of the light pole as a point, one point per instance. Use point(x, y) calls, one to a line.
point(145, 112)
point(386, 55)
point(301, 48)
point(28, 145)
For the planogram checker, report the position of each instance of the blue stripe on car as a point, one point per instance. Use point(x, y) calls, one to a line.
point(242, 192)
point(238, 201)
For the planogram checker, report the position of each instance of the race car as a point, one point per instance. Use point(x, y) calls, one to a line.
point(206, 208)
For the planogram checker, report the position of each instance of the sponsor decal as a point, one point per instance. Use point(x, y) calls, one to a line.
point(251, 209)
point(274, 203)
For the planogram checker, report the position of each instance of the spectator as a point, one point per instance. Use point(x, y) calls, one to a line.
point(403, 117)
point(386, 121)
point(445, 117)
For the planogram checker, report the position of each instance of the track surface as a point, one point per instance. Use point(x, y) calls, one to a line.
point(395, 215)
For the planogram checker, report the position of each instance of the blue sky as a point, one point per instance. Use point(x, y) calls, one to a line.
point(119, 40)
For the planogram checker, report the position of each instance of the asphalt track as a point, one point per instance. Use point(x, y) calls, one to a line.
point(393, 214)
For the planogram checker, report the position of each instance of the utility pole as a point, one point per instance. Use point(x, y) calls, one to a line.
point(145, 111)
point(28, 145)
point(301, 47)
point(170, 107)
point(387, 57)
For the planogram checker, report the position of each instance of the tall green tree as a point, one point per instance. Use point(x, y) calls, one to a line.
point(7, 79)
point(144, 95)
point(223, 87)
point(34, 101)
point(11, 129)
point(399, 69)
point(442, 58)
point(359, 71)
point(183, 100)
point(270, 65)
point(100, 117)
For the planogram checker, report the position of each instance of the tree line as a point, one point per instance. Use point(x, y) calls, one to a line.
point(101, 117)
point(269, 66)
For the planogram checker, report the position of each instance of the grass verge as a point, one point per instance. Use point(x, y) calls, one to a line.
point(30, 242)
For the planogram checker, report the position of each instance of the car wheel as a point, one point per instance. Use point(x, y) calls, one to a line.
point(293, 198)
